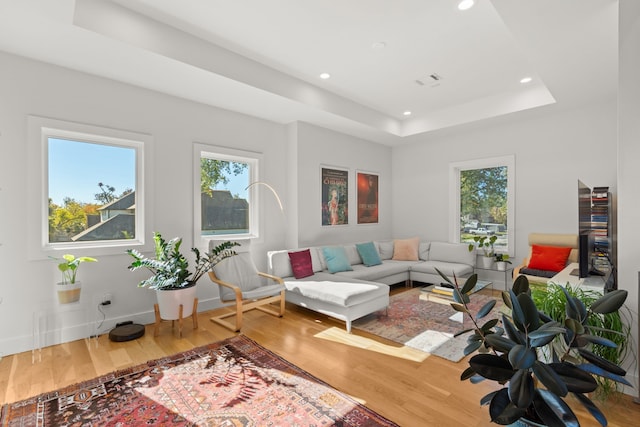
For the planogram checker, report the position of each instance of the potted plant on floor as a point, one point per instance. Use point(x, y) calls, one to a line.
point(486, 244)
point(69, 289)
point(537, 359)
point(501, 261)
point(174, 284)
point(550, 299)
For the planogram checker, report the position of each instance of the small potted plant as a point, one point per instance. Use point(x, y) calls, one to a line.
point(174, 284)
point(501, 261)
point(69, 289)
point(486, 244)
point(536, 359)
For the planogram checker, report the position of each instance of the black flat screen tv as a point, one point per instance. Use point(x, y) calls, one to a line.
point(585, 253)
point(585, 237)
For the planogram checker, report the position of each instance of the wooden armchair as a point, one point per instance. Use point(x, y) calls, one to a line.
point(547, 239)
point(241, 283)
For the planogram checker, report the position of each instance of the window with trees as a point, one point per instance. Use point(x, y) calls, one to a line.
point(225, 204)
point(483, 205)
point(90, 186)
point(90, 209)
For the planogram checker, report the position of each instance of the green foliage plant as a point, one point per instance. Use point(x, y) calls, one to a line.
point(485, 243)
point(551, 300)
point(214, 172)
point(502, 258)
point(170, 268)
point(524, 356)
point(69, 264)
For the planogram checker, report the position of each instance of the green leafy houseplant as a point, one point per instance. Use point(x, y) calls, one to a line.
point(69, 264)
point(538, 360)
point(170, 268)
point(502, 258)
point(551, 300)
point(485, 243)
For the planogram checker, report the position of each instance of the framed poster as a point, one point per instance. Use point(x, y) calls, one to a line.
point(335, 196)
point(367, 184)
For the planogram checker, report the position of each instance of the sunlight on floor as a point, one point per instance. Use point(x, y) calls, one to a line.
point(341, 336)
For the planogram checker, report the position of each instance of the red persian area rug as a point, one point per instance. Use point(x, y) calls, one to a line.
point(235, 382)
point(425, 325)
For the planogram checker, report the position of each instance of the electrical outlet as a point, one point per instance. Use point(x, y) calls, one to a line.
point(107, 299)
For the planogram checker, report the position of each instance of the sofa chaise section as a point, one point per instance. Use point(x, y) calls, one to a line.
point(344, 298)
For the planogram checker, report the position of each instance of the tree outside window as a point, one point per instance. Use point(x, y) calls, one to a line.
point(484, 200)
point(225, 204)
point(82, 208)
point(483, 204)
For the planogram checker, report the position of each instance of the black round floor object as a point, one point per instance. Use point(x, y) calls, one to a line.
point(126, 332)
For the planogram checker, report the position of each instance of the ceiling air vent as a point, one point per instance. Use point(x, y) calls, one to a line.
point(433, 80)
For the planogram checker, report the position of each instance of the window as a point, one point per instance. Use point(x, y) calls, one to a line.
point(484, 200)
point(90, 186)
point(99, 206)
point(225, 204)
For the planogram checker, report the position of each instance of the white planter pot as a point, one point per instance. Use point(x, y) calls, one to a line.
point(501, 265)
point(486, 261)
point(169, 302)
point(69, 292)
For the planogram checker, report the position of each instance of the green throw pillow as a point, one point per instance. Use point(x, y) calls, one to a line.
point(336, 258)
point(368, 253)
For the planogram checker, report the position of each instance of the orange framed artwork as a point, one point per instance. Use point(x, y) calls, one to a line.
point(367, 193)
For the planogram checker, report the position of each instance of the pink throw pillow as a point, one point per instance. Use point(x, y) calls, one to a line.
point(301, 264)
point(406, 249)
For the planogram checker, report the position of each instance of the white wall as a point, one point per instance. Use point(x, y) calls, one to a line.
point(318, 147)
point(33, 88)
point(553, 148)
point(628, 170)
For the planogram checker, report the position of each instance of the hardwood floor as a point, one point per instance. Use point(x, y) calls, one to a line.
point(427, 393)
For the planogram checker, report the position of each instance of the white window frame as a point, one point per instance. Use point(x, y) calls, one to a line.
point(233, 155)
point(40, 129)
point(454, 189)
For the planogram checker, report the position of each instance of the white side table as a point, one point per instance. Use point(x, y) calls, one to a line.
point(52, 322)
point(508, 272)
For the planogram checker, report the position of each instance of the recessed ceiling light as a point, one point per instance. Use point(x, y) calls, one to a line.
point(407, 113)
point(325, 76)
point(378, 45)
point(466, 4)
point(525, 79)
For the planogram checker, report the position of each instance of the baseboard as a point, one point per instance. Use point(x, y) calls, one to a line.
point(59, 331)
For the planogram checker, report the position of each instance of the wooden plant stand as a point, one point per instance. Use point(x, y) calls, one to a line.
point(194, 318)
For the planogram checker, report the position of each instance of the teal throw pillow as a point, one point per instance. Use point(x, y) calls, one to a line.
point(336, 259)
point(368, 253)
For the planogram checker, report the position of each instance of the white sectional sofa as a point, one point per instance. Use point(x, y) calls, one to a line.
point(361, 290)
